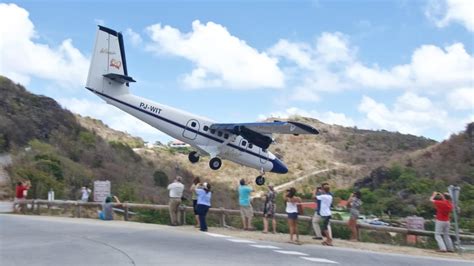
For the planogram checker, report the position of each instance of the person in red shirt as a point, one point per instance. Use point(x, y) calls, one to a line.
point(443, 207)
point(20, 195)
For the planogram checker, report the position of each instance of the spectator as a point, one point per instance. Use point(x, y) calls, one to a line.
point(269, 209)
point(354, 203)
point(21, 191)
point(196, 184)
point(85, 193)
point(292, 202)
point(107, 213)
point(203, 204)
point(443, 207)
point(246, 210)
point(176, 193)
point(325, 213)
point(316, 217)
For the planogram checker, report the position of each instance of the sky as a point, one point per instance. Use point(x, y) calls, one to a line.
point(403, 66)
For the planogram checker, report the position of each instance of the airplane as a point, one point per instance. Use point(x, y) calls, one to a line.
point(243, 143)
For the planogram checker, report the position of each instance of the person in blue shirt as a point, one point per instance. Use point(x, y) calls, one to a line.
point(203, 204)
point(246, 210)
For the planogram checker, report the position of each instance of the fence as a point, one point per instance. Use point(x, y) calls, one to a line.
point(223, 213)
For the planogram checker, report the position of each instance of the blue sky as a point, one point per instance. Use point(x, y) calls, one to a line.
point(404, 66)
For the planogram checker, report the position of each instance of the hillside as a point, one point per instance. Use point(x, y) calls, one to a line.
point(51, 148)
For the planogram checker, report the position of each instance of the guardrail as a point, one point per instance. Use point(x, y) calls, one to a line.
point(36, 208)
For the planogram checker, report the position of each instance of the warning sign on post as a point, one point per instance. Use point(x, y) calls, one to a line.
point(101, 190)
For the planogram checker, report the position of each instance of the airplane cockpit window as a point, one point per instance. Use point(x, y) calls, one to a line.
point(206, 128)
point(193, 124)
point(244, 143)
point(219, 133)
point(213, 131)
point(226, 136)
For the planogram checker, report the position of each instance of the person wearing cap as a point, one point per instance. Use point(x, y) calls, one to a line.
point(269, 209)
point(175, 193)
point(204, 195)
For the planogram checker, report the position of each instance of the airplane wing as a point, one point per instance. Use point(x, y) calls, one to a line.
point(260, 133)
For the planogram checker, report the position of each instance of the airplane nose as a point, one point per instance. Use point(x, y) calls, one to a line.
point(279, 167)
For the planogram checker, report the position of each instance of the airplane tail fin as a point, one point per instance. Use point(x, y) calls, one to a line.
point(108, 69)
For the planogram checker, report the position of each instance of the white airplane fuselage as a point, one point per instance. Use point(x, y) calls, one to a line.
point(195, 131)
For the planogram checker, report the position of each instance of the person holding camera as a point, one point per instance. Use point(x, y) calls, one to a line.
point(325, 212)
point(354, 202)
point(292, 211)
point(107, 213)
point(204, 195)
point(269, 209)
point(443, 207)
point(246, 210)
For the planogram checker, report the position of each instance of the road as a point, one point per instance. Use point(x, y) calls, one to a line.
point(39, 240)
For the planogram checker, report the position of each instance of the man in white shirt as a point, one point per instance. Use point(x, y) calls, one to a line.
point(176, 193)
point(325, 213)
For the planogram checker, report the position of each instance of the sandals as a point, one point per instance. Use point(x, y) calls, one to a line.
point(326, 243)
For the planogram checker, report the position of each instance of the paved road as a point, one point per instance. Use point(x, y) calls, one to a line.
point(34, 240)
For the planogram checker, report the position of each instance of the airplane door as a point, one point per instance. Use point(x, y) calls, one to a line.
point(191, 129)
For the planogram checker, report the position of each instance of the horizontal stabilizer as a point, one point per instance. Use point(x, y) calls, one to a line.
point(119, 78)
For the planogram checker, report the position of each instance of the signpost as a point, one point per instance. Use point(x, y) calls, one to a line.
point(101, 190)
point(454, 193)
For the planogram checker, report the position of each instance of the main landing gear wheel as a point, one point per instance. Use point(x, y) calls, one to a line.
point(215, 163)
point(193, 157)
point(260, 180)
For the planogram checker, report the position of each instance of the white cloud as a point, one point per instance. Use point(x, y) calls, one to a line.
point(22, 57)
point(410, 114)
point(462, 99)
point(444, 12)
point(134, 37)
point(326, 117)
point(221, 59)
point(111, 116)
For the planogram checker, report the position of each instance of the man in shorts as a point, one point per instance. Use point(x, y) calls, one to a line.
point(246, 210)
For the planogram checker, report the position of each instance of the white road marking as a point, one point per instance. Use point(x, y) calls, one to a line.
point(319, 260)
point(240, 240)
point(265, 246)
point(289, 252)
point(215, 235)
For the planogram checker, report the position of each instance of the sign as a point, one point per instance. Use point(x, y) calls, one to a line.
point(101, 190)
point(415, 223)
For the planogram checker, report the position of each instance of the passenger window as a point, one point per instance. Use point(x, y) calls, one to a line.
point(250, 145)
point(219, 133)
point(193, 124)
point(213, 131)
point(244, 143)
point(226, 136)
point(206, 128)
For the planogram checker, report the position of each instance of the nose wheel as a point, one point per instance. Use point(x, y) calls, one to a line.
point(193, 157)
point(260, 180)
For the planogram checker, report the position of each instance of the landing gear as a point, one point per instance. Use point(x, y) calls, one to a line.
point(260, 180)
point(215, 163)
point(193, 157)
